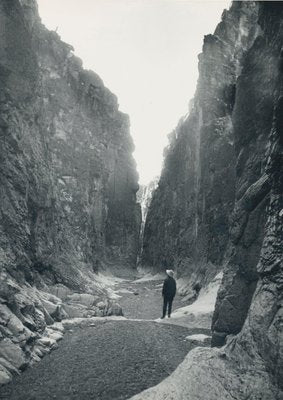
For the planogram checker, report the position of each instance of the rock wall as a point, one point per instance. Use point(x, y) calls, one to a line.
point(68, 180)
point(256, 227)
point(144, 197)
point(252, 123)
point(240, 191)
point(187, 227)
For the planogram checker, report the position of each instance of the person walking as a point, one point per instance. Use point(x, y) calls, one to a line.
point(168, 292)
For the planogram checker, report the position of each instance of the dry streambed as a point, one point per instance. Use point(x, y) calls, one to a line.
point(109, 359)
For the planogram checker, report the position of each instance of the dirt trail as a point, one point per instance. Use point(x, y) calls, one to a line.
point(109, 360)
point(143, 300)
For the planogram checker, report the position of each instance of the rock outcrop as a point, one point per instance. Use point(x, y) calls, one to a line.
point(68, 181)
point(219, 205)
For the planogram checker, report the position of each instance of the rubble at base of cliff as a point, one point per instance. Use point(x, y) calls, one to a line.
point(32, 320)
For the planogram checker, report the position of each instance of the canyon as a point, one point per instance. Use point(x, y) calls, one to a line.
point(70, 207)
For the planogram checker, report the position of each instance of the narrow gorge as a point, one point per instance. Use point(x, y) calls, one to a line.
point(71, 210)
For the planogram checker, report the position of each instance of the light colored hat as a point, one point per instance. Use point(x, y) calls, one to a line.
point(170, 272)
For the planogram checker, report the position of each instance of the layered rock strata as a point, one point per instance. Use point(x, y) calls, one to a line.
point(68, 181)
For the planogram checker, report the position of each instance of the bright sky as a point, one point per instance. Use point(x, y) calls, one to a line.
point(146, 53)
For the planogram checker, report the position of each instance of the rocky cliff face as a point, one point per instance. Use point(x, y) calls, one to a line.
point(188, 222)
point(251, 292)
point(221, 193)
point(68, 180)
point(68, 177)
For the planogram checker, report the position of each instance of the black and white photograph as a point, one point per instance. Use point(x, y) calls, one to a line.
point(141, 200)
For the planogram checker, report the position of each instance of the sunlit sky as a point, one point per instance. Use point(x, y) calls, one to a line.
point(145, 51)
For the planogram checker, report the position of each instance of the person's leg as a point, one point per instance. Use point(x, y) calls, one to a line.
point(170, 301)
point(165, 301)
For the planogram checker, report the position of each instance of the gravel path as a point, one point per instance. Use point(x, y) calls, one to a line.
point(109, 360)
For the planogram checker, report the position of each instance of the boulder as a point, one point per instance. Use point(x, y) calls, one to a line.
point(60, 291)
point(5, 376)
point(9, 367)
point(58, 326)
point(33, 318)
point(34, 359)
point(48, 319)
point(8, 319)
point(59, 313)
point(49, 306)
point(73, 311)
point(26, 336)
point(37, 352)
point(82, 298)
point(12, 353)
point(54, 334)
point(46, 341)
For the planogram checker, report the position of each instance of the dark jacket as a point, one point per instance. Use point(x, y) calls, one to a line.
point(169, 288)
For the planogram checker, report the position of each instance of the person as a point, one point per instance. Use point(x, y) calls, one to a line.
point(168, 292)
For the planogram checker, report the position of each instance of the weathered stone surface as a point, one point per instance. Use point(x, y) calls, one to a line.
point(46, 341)
point(8, 366)
point(207, 374)
point(49, 306)
point(187, 226)
point(59, 291)
point(222, 184)
point(74, 311)
point(68, 181)
point(5, 376)
point(53, 334)
point(255, 224)
point(59, 313)
point(12, 353)
point(83, 298)
point(58, 326)
point(8, 319)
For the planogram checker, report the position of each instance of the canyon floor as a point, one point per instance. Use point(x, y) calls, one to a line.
point(110, 359)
